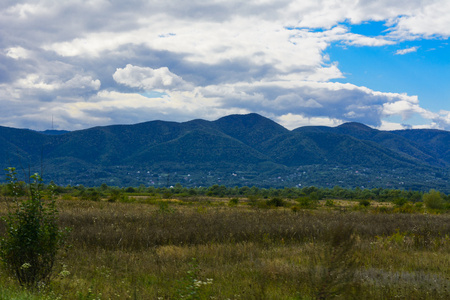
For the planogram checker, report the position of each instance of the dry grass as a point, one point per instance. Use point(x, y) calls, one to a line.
point(153, 251)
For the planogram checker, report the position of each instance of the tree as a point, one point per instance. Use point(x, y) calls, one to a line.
point(33, 238)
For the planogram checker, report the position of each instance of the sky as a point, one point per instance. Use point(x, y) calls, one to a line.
point(74, 64)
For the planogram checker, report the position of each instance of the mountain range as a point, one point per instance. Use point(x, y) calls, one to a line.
point(233, 150)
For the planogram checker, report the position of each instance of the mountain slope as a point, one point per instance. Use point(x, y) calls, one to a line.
point(437, 142)
point(396, 141)
point(236, 150)
point(251, 129)
point(303, 148)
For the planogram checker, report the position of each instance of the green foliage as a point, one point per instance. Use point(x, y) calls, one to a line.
point(115, 195)
point(407, 208)
point(314, 196)
point(433, 200)
point(364, 202)
point(265, 154)
point(306, 202)
point(33, 238)
point(276, 202)
point(419, 205)
point(400, 201)
point(91, 195)
point(329, 203)
point(233, 202)
point(252, 199)
point(164, 207)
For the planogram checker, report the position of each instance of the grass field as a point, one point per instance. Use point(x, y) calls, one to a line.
point(217, 248)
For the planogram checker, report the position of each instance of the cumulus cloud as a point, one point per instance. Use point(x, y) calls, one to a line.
point(425, 21)
point(89, 62)
point(149, 79)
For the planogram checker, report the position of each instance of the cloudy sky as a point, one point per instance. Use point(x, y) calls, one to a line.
point(309, 62)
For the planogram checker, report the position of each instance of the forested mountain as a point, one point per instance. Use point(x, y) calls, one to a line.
point(234, 150)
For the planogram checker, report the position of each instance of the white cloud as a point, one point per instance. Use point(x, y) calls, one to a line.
point(431, 19)
point(82, 82)
point(407, 50)
point(405, 109)
point(149, 79)
point(18, 53)
point(293, 121)
point(36, 82)
point(88, 60)
point(294, 100)
point(442, 120)
point(385, 125)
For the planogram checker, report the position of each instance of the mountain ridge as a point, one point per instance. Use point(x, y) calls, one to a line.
point(234, 150)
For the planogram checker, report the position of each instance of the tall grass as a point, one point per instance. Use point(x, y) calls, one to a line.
point(146, 251)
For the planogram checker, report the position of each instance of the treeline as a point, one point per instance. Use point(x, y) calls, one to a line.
point(178, 191)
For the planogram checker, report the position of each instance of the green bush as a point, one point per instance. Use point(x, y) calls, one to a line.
point(433, 200)
point(233, 202)
point(33, 238)
point(419, 205)
point(400, 201)
point(306, 202)
point(276, 202)
point(115, 195)
point(164, 207)
point(329, 203)
point(364, 202)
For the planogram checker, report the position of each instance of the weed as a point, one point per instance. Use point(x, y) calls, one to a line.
point(191, 286)
point(333, 270)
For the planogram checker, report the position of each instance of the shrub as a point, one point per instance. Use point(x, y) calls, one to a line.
point(115, 195)
point(329, 203)
point(383, 209)
point(277, 202)
point(252, 199)
point(433, 200)
point(400, 201)
point(32, 240)
point(418, 205)
point(233, 202)
point(407, 208)
point(364, 202)
point(306, 202)
point(130, 190)
point(164, 207)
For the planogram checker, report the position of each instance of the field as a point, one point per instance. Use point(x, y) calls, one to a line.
point(220, 248)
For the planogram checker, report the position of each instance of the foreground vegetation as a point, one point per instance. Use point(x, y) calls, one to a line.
point(247, 243)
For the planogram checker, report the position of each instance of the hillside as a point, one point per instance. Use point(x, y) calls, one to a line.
point(233, 150)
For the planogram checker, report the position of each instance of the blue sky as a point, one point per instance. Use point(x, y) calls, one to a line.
point(311, 62)
point(425, 71)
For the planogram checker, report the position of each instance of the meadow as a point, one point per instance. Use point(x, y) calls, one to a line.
point(147, 246)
